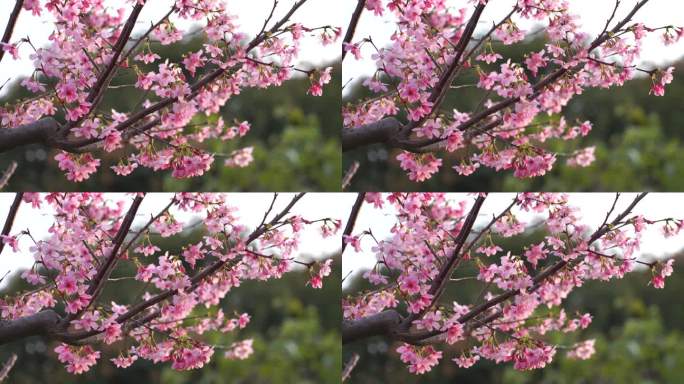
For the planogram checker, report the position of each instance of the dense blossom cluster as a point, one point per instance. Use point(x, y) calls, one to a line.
point(509, 128)
point(178, 101)
point(181, 293)
point(522, 291)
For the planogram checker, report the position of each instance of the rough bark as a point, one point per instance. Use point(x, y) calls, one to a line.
point(42, 323)
point(380, 132)
point(43, 131)
point(381, 324)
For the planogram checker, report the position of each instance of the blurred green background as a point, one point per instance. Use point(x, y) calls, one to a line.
point(295, 330)
point(295, 138)
point(639, 335)
point(638, 141)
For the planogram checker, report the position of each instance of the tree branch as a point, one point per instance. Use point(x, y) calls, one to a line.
point(353, 23)
point(108, 266)
point(9, 364)
point(106, 75)
point(373, 326)
point(9, 29)
point(368, 134)
point(537, 281)
point(43, 131)
point(4, 180)
point(42, 323)
point(349, 367)
point(438, 284)
point(9, 221)
point(353, 215)
point(379, 132)
point(195, 88)
point(381, 324)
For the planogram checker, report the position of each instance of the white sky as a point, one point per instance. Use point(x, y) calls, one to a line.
point(251, 209)
point(251, 13)
point(593, 209)
point(593, 15)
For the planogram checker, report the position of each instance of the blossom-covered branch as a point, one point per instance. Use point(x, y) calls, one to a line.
point(181, 293)
point(179, 101)
point(522, 294)
point(434, 46)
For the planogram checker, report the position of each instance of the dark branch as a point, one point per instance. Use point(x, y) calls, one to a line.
point(41, 323)
point(438, 284)
point(9, 221)
point(353, 23)
point(9, 29)
point(381, 324)
point(382, 131)
point(353, 215)
point(43, 131)
point(8, 367)
point(108, 266)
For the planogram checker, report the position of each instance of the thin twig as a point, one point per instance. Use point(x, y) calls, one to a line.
point(8, 367)
point(351, 172)
point(349, 367)
point(9, 172)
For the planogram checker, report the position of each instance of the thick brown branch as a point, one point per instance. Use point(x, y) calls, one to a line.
point(43, 131)
point(106, 75)
point(41, 323)
point(381, 324)
point(379, 132)
point(447, 77)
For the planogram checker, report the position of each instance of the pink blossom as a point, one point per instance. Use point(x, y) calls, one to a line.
point(583, 350)
point(240, 350)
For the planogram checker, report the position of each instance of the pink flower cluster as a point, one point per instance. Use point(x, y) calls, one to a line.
point(324, 270)
point(419, 359)
point(77, 359)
